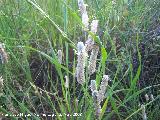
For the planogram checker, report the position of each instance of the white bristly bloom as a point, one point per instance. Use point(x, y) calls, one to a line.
point(94, 26)
point(1, 86)
point(90, 42)
point(82, 6)
point(81, 63)
point(59, 55)
point(97, 106)
point(84, 14)
point(147, 97)
point(102, 90)
point(85, 20)
point(93, 60)
point(67, 82)
point(152, 97)
point(3, 53)
point(144, 115)
point(93, 85)
point(1, 82)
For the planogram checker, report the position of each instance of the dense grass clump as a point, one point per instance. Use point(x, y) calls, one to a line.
point(80, 59)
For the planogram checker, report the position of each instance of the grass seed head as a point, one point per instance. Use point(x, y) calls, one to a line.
point(93, 60)
point(147, 97)
point(81, 63)
point(59, 55)
point(102, 89)
point(94, 26)
point(93, 86)
point(97, 106)
point(67, 82)
point(85, 21)
point(144, 115)
point(1, 82)
point(3, 54)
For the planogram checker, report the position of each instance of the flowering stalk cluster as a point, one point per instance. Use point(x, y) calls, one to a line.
point(89, 45)
point(98, 96)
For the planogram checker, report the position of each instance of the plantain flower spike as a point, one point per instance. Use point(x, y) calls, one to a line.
point(80, 63)
point(84, 14)
point(3, 53)
point(102, 90)
point(93, 86)
point(59, 55)
point(97, 106)
point(90, 42)
point(1, 86)
point(144, 115)
point(93, 60)
point(67, 82)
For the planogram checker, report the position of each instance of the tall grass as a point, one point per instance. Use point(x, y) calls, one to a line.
point(34, 81)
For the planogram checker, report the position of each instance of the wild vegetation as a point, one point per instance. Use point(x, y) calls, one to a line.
point(80, 59)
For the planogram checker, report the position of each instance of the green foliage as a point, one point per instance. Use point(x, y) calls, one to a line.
point(34, 30)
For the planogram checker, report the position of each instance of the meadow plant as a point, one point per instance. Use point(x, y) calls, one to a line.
point(3, 54)
point(1, 85)
point(46, 87)
point(59, 55)
point(144, 115)
point(93, 59)
point(67, 81)
point(99, 96)
point(84, 14)
point(80, 69)
point(147, 97)
point(93, 86)
point(90, 42)
point(102, 89)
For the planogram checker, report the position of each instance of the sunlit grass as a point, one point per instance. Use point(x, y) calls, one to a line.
point(34, 30)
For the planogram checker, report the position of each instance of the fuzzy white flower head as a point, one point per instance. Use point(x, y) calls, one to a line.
point(67, 82)
point(82, 6)
point(93, 85)
point(1, 82)
point(94, 26)
point(59, 55)
point(106, 77)
point(85, 20)
point(80, 47)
